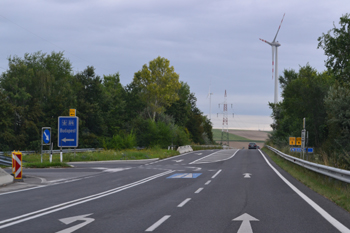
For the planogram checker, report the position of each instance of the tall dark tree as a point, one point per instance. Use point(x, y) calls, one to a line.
point(336, 46)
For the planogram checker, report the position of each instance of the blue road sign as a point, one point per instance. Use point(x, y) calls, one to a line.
point(46, 136)
point(298, 149)
point(68, 129)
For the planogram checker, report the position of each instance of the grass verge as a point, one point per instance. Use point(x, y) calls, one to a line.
point(335, 190)
point(34, 160)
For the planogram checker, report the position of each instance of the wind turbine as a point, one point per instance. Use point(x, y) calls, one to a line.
point(274, 45)
point(209, 96)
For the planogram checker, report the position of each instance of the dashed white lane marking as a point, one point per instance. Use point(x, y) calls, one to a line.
point(199, 190)
point(158, 223)
point(208, 182)
point(184, 202)
point(216, 174)
point(318, 208)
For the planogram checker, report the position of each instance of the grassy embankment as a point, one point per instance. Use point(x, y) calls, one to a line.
point(232, 137)
point(335, 190)
point(34, 160)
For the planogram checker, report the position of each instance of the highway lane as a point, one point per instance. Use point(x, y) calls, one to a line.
point(157, 197)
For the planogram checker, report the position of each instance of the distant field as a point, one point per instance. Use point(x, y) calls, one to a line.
point(232, 137)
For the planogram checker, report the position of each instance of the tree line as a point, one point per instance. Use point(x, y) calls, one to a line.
point(155, 109)
point(323, 98)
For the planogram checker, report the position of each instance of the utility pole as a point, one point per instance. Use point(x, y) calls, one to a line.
point(224, 131)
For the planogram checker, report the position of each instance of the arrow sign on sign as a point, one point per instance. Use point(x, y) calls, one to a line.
point(73, 219)
point(247, 175)
point(245, 226)
point(67, 140)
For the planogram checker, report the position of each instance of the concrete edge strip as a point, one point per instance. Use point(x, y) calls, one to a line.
point(116, 161)
point(318, 208)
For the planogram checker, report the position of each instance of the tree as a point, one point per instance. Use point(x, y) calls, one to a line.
point(303, 96)
point(38, 89)
point(159, 85)
point(336, 46)
point(337, 105)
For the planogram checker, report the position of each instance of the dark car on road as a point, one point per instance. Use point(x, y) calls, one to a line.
point(252, 145)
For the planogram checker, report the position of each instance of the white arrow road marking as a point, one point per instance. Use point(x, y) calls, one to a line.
point(247, 175)
point(67, 140)
point(178, 161)
point(245, 226)
point(73, 219)
point(199, 153)
point(47, 136)
point(36, 214)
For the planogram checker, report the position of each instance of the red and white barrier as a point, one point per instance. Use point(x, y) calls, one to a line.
point(17, 164)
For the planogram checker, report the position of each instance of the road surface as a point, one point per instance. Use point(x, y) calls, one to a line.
point(201, 191)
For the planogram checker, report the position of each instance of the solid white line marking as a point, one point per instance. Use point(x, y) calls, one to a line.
point(204, 157)
point(208, 182)
point(184, 202)
point(216, 174)
point(52, 209)
point(158, 223)
point(199, 190)
point(318, 208)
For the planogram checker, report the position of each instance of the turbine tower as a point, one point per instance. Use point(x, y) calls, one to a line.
point(274, 45)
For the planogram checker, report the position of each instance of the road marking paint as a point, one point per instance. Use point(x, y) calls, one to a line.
point(204, 157)
point(216, 174)
point(66, 205)
point(208, 182)
point(318, 208)
point(216, 160)
point(199, 190)
point(184, 202)
point(158, 223)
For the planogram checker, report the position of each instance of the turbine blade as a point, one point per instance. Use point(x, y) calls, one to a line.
point(273, 60)
point(278, 28)
point(265, 41)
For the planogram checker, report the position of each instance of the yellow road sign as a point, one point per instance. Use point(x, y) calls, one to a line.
point(298, 141)
point(71, 112)
point(291, 141)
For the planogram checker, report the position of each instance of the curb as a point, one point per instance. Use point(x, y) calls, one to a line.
point(5, 178)
point(117, 161)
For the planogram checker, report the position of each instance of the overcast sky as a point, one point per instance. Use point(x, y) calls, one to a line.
point(204, 40)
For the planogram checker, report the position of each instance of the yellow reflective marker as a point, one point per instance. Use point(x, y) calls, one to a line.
point(298, 141)
point(291, 141)
point(71, 112)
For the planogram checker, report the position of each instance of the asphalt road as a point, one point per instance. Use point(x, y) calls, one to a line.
point(204, 191)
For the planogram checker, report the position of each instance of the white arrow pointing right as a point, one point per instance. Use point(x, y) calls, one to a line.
point(245, 226)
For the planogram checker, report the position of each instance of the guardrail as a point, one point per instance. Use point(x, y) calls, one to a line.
point(336, 173)
point(4, 160)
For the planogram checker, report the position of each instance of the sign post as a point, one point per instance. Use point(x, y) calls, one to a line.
point(68, 132)
point(45, 139)
point(303, 132)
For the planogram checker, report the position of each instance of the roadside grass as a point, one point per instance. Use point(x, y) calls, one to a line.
point(335, 190)
point(233, 137)
point(34, 160)
point(211, 147)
